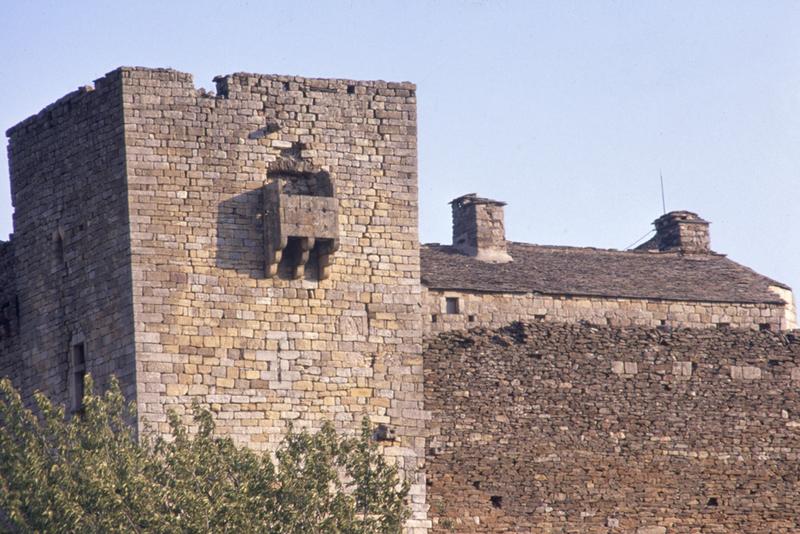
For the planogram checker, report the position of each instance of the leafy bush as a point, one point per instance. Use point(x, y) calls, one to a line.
point(90, 474)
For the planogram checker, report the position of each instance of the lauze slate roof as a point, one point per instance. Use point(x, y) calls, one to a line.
point(554, 270)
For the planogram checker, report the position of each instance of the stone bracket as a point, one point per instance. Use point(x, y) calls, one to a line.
point(303, 225)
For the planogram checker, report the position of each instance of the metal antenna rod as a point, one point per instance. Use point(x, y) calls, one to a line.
point(663, 202)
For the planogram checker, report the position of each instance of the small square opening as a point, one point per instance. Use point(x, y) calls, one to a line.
point(765, 327)
point(451, 305)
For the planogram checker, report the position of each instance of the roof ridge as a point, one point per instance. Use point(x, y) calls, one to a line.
point(575, 248)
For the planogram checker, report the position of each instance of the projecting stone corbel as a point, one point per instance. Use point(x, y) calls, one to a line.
point(275, 242)
point(301, 222)
point(304, 247)
point(326, 251)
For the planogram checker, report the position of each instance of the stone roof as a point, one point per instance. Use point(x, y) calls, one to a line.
point(473, 198)
point(555, 270)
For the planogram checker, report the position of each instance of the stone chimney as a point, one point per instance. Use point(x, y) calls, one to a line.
point(478, 229)
point(680, 231)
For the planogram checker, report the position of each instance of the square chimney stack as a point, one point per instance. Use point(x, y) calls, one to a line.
point(478, 228)
point(680, 231)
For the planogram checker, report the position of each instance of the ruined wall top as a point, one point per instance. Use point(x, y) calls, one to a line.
point(225, 86)
point(50, 115)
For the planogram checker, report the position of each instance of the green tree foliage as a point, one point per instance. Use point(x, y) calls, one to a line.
point(90, 474)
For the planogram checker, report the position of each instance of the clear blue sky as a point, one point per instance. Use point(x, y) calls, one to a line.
point(567, 110)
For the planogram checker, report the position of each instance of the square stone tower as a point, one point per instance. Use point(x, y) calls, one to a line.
point(255, 250)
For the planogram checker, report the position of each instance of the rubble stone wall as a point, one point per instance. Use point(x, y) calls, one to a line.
point(70, 245)
point(552, 427)
point(266, 352)
point(499, 309)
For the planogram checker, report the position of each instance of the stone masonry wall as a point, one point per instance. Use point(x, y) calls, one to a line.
point(70, 243)
point(789, 321)
point(499, 309)
point(210, 325)
point(8, 312)
point(554, 427)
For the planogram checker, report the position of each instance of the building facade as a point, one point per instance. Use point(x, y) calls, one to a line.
point(673, 280)
point(256, 249)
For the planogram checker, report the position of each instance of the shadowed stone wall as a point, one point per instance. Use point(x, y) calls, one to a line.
point(9, 322)
point(70, 249)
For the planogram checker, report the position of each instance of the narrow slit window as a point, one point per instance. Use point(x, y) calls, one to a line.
point(451, 305)
point(77, 376)
point(58, 245)
point(59, 256)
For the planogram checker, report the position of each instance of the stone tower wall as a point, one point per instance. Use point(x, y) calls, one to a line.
point(266, 352)
point(9, 324)
point(70, 245)
point(577, 428)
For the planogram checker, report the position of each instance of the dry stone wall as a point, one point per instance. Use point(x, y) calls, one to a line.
point(553, 427)
point(70, 245)
point(499, 309)
point(211, 324)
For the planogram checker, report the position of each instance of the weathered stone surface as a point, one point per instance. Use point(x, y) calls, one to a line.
point(140, 226)
point(256, 250)
point(682, 231)
point(496, 309)
point(541, 428)
point(478, 228)
point(65, 278)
